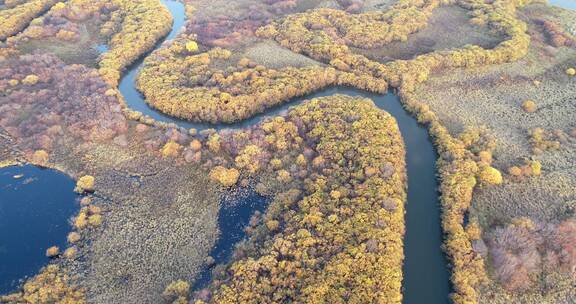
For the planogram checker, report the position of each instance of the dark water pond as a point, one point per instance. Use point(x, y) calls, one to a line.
point(35, 206)
point(426, 276)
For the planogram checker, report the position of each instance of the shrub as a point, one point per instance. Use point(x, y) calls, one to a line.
point(40, 158)
point(571, 72)
point(95, 220)
point(195, 145)
point(529, 106)
point(192, 46)
point(14, 19)
point(143, 24)
point(515, 171)
point(284, 176)
point(52, 251)
point(85, 184)
point(525, 250)
point(92, 209)
point(74, 237)
point(81, 220)
point(226, 177)
point(30, 80)
point(51, 285)
point(272, 225)
point(536, 167)
point(171, 149)
point(176, 289)
point(490, 176)
point(70, 253)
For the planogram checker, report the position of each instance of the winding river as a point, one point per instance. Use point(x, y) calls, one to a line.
point(426, 276)
point(35, 204)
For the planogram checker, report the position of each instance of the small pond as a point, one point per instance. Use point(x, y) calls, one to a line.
point(35, 207)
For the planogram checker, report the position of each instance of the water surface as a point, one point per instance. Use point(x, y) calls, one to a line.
point(35, 206)
point(568, 4)
point(426, 276)
point(232, 220)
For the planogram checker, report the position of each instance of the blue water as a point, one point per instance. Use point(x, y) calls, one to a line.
point(232, 219)
point(569, 4)
point(426, 275)
point(35, 206)
point(101, 48)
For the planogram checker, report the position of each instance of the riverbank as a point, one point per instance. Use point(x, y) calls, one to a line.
point(460, 99)
point(130, 155)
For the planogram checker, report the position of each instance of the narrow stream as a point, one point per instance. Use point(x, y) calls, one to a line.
point(426, 276)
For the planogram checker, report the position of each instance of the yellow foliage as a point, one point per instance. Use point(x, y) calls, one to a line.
point(85, 184)
point(95, 220)
point(529, 106)
point(51, 285)
point(571, 72)
point(40, 158)
point(81, 221)
point(15, 19)
point(248, 159)
point(214, 143)
point(177, 289)
point(52, 251)
point(316, 244)
point(490, 176)
point(142, 24)
point(226, 177)
point(74, 237)
point(70, 253)
point(272, 225)
point(30, 80)
point(284, 176)
point(171, 149)
point(59, 6)
point(192, 46)
point(197, 88)
point(536, 167)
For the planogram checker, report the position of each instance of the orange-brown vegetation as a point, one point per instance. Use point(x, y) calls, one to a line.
point(529, 106)
point(18, 15)
point(529, 168)
point(226, 177)
point(545, 140)
point(459, 166)
point(556, 34)
point(141, 25)
point(525, 252)
point(39, 115)
point(237, 24)
point(326, 35)
point(52, 251)
point(49, 286)
point(195, 87)
point(344, 227)
point(85, 184)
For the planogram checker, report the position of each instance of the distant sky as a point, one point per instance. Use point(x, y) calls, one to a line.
point(571, 4)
